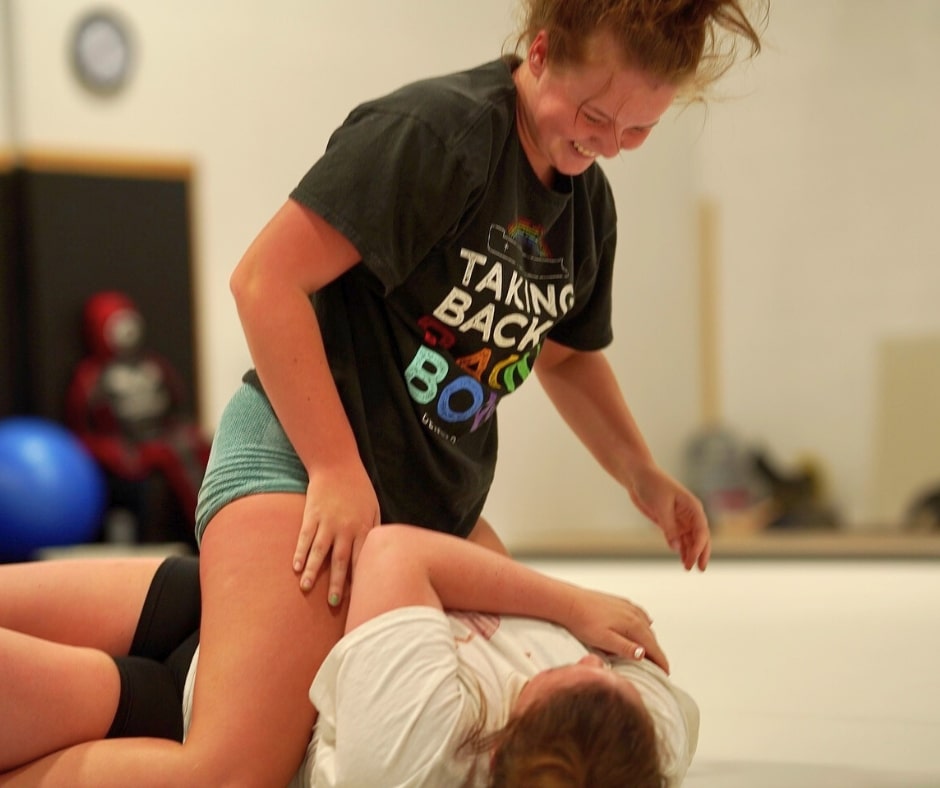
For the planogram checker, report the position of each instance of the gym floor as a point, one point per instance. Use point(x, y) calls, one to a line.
point(818, 674)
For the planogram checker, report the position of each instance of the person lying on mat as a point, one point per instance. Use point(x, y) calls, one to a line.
point(522, 678)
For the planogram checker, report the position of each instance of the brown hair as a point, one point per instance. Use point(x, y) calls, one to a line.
point(580, 737)
point(687, 43)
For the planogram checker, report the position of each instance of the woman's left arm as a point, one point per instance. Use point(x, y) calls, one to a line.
point(404, 566)
point(584, 390)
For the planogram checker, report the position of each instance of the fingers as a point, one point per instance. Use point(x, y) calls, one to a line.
point(342, 551)
point(311, 565)
point(643, 614)
point(345, 555)
point(655, 654)
point(627, 632)
point(339, 567)
point(687, 532)
point(302, 551)
point(685, 548)
point(308, 556)
point(313, 546)
point(696, 549)
point(705, 555)
point(641, 644)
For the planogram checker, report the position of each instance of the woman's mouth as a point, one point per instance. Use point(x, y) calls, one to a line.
point(586, 152)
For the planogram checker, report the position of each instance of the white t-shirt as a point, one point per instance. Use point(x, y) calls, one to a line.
point(397, 696)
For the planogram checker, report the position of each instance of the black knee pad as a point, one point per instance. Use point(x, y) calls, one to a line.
point(150, 702)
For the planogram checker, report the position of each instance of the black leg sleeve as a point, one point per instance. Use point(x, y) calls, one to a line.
point(171, 610)
point(150, 703)
point(154, 674)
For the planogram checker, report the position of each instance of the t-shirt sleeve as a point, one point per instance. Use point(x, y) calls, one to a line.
point(392, 710)
point(675, 716)
point(393, 185)
point(588, 326)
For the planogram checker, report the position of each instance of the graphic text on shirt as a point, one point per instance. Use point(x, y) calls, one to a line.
point(505, 304)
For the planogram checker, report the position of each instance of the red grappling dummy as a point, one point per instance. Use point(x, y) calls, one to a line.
point(126, 405)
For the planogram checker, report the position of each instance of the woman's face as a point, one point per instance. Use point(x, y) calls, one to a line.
point(569, 115)
point(590, 669)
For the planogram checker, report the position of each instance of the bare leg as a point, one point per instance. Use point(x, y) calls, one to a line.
point(262, 641)
point(94, 602)
point(54, 694)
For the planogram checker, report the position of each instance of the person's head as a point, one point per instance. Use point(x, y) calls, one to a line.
point(578, 726)
point(686, 43)
point(599, 74)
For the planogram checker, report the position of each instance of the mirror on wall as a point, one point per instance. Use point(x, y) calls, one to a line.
point(822, 176)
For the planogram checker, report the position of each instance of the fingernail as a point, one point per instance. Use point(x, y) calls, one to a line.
point(298, 566)
point(334, 600)
point(305, 584)
point(638, 652)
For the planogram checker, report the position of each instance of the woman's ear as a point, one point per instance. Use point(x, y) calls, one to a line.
point(538, 53)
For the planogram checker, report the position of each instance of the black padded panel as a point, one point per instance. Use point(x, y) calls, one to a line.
point(81, 232)
point(8, 318)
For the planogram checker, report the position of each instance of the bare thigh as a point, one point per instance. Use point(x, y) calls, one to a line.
point(81, 602)
point(52, 696)
point(261, 643)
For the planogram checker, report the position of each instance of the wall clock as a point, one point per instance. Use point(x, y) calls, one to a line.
point(102, 52)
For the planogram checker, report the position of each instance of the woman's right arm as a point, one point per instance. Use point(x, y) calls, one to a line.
point(295, 255)
point(401, 566)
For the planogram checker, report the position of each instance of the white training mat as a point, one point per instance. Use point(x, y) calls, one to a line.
point(743, 774)
point(808, 674)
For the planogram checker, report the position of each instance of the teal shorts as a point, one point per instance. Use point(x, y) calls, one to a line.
point(250, 454)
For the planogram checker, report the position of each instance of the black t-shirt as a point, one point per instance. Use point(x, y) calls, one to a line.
point(468, 263)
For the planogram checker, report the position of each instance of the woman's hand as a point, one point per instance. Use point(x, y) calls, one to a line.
point(615, 625)
point(676, 511)
point(340, 509)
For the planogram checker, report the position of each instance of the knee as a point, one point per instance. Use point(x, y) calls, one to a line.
point(234, 767)
point(150, 703)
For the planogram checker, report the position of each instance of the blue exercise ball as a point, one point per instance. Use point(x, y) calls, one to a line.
point(52, 492)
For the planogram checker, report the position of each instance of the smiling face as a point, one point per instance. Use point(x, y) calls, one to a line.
point(569, 114)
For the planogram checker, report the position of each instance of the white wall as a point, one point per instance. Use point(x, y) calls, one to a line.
point(250, 91)
point(6, 113)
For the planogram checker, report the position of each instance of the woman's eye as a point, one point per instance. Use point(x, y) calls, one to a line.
point(594, 120)
point(634, 137)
